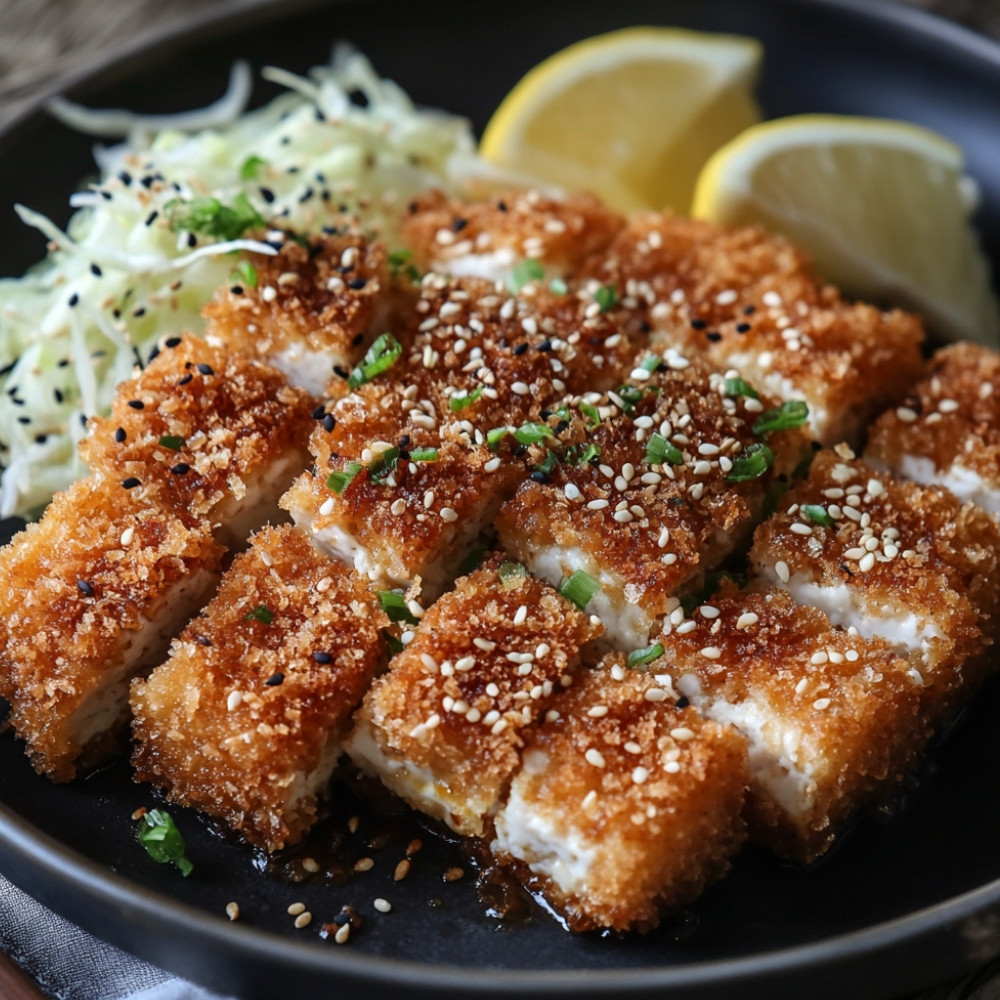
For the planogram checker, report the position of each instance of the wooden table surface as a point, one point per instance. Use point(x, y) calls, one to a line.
point(44, 40)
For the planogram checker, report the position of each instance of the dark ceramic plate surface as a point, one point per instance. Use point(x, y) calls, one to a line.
point(909, 897)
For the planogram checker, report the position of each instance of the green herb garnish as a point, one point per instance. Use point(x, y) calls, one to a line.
point(660, 451)
point(606, 296)
point(511, 573)
point(817, 514)
point(495, 436)
point(381, 355)
point(629, 395)
point(640, 657)
point(652, 363)
point(400, 263)
point(793, 413)
point(579, 588)
point(737, 387)
point(384, 465)
point(261, 613)
point(579, 454)
point(172, 442)
point(423, 454)
point(592, 414)
point(459, 403)
point(244, 272)
point(394, 644)
point(209, 217)
point(525, 271)
point(547, 464)
point(339, 481)
point(751, 463)
point(251, 167)
point(395, 606)
point(163, 841)
point(558, 287)
point(532, 433)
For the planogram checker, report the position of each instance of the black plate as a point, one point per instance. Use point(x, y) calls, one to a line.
point(906, 899)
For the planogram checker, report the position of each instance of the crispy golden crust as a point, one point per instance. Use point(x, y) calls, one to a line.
point(748, 299)
point(898, 548)
point(951, 416)
point(259, 689)
point(656, 525)
point(651, 791)
point(559, 232)
point(85, 591)
point(487, 661)
point(324, 298)
point(194, 429)
point(843, 710)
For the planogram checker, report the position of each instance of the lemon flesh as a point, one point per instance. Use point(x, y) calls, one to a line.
point(883, 207)
point(631, 116)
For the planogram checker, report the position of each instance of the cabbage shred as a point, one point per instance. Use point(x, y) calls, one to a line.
point(176, 204)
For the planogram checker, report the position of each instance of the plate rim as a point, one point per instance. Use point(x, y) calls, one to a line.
point(21, 841)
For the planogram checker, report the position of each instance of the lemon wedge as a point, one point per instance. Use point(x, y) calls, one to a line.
point(882, 206)
point(631, 116)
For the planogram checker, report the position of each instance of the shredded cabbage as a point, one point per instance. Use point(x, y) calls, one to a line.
point(122, 277)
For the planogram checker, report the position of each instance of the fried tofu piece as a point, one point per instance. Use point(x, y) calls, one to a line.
point(487, 239)
point(909, 563)
point(625, 805)
point(91, 596)
point(207, 432)
point(311, 309)
point(443, 729)
point(947, 429)
point(747, 299)
point(244, 721)
point(831, 719)
point(669, 482)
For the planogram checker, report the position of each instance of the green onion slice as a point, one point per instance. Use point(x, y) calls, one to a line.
point(533, 433)
point(579, 588)
point(640, 657)
point(525, 271)
point(339, 481)
point(394, 605)
point(660, 451)
point(423, 454)
point(751, 463)
point(381, 355)
point(210, 217)
point(162, 840)
point(737, 387)
point(793, 413)
point(172, 441)
point(458, 403)
point(384, 465)
point(606, 296)
point(817, 514)
point(261, 613)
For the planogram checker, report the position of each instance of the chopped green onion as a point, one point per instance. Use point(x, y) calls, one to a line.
point(172, 442)
point(495, 436)
point(339, 481)
point(261, 613)
point(660, 451)
point(458, 403)
point(817, 514)
point(244, 272)
point(793, 413)
point(395, 646)
point(737, 387)
point(592, 413)
point(381, 355)
point(606, 296)
point(251, 167)
point(558, 287)
point(162, 840)
point(629, 395)
point(384, 465)
point(511, 573)
point(395, 606)
point(652, 363)
point(751, 463)
point(398, 259)
point(640, 657)
point(531, 433)
point(548, 463)
point(209, 217)
point(579, 454)
point(525, 271)
point(579, 588)
point(423, 454)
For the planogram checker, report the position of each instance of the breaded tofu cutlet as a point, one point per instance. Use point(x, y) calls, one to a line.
point(309, 311)
point(667, 477)
point(244, 721)
point(830, 719)
point(90, 596)
point(947, 428)
point(908, 563)
point(490, 239)
point(625, 805)
point(206, 432)
point(747, 299)
point(443, 729)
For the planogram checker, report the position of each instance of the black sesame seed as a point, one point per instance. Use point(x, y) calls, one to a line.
point(337, 370)
point(137, 404)
point(192, 240)
point(152, 217)
point(95, 270)
point(205, 369)
point(319, 413)
point(85, 588)
point(202, 640)
point(545, 345)
point(267, 194)
point(74, 299)
point(24, 420)
point(139, 312)
point(743, 327)
point(184, 379)
point(236, 289)
point(714, 336)
point(131, 483)
point(125, 177)
point(120, 435)
point(172, 342)
point(357, 283)
point(329, 422)
point(683, 702)
point(58, 395)
point(459, 224)
point(698, 324)
point(520, 349)
point(180, 469)
point(275, 679)
point(749, 310)
point(520, 449)
point(502, 205)
point(561, 426)
point(404, 441)
point(357, 340)
point(320, 657)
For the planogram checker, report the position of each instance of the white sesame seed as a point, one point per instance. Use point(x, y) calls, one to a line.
point(343, 933)
point(382, 905)
point(326, 507)
point(597, 504)
point(655, 694)
point(594, 757)
point(866, 562)
point(689, 626)
point(295, 909)
point(520, 388)
point(747, 619)
point(821, 703)
point(711, 652)
point(639, 775)
point(597, 711)
point(233, 911)
point(851, 655)
point(571, 492)
point(234, 700)
point(772, 300)
point(449, 514)
point(801, 529)
point(520, 615)
point(781, 569)
point(727, 298)
point(486, 645)
point(820, 657)
point(492, 465)
point(906, 414)
point(127, 535)
point(682, 733)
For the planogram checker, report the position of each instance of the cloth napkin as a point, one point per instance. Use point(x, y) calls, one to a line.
point(70, 964)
